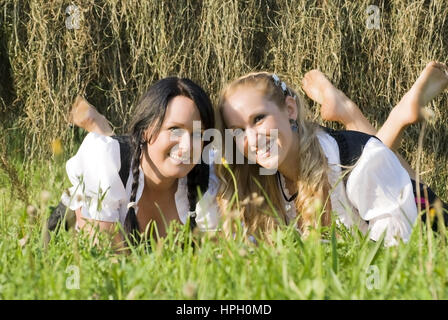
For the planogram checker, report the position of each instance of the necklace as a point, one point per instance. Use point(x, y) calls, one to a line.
point(283, 191)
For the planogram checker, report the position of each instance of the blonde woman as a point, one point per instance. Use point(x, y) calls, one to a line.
point(377, 194)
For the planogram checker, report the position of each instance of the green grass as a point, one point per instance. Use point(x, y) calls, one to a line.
point(344, 267)
point(124, 46)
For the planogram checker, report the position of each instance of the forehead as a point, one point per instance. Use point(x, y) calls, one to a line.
point(243, 103)
point(181, 109)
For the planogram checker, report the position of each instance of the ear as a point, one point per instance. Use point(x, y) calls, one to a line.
point(291, 107)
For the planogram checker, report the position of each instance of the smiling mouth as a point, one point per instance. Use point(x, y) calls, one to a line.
point(265, 151)
point(179, 159)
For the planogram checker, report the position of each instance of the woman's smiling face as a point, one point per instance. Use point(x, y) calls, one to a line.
point(246, 108)
point(171, 150)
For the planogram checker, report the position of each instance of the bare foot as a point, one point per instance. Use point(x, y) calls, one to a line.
point(431, 82)
point(85, 116)
point(335, 105)
point(82, 113)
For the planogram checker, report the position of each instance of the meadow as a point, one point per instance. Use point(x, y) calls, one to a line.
point(111, 51)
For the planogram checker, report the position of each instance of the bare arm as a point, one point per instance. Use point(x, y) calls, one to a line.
point(95, 226)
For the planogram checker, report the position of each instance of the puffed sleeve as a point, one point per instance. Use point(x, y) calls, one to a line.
point(94, 174)
point(207, 212)
point(381, 190)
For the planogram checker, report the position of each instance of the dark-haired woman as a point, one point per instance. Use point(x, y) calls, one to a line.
point(164, 173)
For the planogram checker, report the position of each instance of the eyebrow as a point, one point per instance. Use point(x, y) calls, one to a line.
point(181, 125)
point(250, 116)
point(173, 123)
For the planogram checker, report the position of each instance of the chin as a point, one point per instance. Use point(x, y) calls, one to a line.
point(269, 163)
point(178, 171)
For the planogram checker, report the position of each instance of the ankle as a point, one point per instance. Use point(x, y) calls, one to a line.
point(402, 114)
point(353, 119)
point(85, 121)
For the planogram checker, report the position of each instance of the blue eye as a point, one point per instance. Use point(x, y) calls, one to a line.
point(258, 118)
point(176, 131)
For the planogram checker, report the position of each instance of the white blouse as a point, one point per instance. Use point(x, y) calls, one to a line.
point(98, 190)
point(378, 191)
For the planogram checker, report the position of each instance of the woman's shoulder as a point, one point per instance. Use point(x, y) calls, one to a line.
point(94, 175)
point(377, 167)
point(376, 155)
point(95, 143)
point(96, 151)
point(346, 145)
point(381, 190)
point(329, 146)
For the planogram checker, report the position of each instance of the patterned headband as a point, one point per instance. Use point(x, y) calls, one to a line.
point(282, 85)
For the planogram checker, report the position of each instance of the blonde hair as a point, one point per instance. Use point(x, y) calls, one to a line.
point(312, 180)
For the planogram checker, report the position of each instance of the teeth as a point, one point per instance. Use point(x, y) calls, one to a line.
point(266, 148)
point(176, 157)
point(264, 151)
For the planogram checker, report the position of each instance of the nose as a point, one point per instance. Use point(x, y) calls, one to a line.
point(251, 139)
point(184, 143)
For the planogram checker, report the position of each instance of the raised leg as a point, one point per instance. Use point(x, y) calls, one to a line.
point(431, 82)
point(336, 106)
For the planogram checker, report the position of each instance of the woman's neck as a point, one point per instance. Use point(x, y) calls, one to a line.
point(290, 166)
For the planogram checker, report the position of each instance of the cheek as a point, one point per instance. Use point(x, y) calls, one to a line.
point(159, 149)
point(285, 136)
point(270, 123)
point(274, 131)
point(284, 144)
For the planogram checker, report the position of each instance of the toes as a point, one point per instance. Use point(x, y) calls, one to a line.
point(431, 64)
point(438, 65)
point(311, 73)
point(443, 67)
point(312, 76)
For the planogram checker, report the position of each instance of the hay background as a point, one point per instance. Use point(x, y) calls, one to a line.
point(124, 46)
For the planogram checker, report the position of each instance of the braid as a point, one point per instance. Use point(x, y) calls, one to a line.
point(146, 124)
point(131, 226)
point(199, 176)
